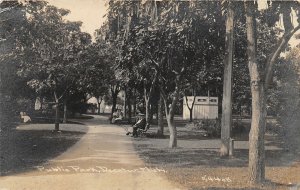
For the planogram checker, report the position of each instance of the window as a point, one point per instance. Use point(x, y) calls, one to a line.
point(213, 100)
point(201, 100)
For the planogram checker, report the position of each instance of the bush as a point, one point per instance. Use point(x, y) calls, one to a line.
point(211, 126)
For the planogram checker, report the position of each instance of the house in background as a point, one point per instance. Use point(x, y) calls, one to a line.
point(104, 107)
point(204, 107)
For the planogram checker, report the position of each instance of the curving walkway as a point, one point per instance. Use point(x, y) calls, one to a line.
point(104, 158)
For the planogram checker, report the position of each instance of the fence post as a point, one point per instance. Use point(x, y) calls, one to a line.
point(231, 147)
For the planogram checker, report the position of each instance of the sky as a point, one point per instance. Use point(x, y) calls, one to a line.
point(90, 12)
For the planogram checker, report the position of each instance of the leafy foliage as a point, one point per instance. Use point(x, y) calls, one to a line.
point(52, 50)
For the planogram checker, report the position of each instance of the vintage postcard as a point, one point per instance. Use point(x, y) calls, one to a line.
point(149, 94)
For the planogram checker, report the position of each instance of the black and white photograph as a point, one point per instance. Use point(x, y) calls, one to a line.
point(149, 94)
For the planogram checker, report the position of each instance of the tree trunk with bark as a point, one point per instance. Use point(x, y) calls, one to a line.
point(56, 112)
point(148, 110)
point(227, 85)
point(99, 101)
point(173, 131)
point(114, 92)
point(147, 96)
point(257, 132)
point(147, 106)
point(114, 103)
point(160, 116)
point(65, 111)
point(170, 115)
point(259, 87)
point(192, 106)
point(98, 111)
point(191, 114)
point(152, 111)
point(258, 121)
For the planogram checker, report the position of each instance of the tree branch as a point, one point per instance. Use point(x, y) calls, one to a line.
point(273, 57)
point(67, 88)
point(152, 85)
point(174, 100)
point(164, 96)
point(145, 91)
point(289, 32)
point(187, 102)
point(190, 108)
point(155, 64)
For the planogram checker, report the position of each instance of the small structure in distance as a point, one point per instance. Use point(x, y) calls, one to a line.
point(204, 107)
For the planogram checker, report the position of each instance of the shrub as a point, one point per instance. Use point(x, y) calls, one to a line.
point(211, 126)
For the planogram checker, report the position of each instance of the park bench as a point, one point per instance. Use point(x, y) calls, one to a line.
point(143, 132)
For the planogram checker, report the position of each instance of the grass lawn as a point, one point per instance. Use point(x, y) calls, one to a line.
point(30, 145)
point(196, 164)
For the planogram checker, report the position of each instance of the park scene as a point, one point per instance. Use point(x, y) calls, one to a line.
point(149, 94)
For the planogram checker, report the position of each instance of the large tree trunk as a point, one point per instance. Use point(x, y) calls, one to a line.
point(257, 132)
point(191, 114)
point(170, 116)
point(114, 103)
point(173, 131)
point(227, 85)
point(99, 101)
point(192, 106)
point(152, 111)
point(148, 111)
point(147, 104)
point(160, 117)
point(65, 111)
point(258, 123)
point(56, 112)
point(147, 97)
point(99, 108)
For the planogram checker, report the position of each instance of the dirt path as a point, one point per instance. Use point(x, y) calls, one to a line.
point(104, 158)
